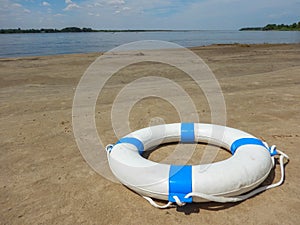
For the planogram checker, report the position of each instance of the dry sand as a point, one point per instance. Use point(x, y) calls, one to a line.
point(45, 180)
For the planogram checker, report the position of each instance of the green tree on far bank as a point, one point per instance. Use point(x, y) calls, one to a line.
point(280, 27)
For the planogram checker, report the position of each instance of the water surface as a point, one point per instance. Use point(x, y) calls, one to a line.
point(18, 45)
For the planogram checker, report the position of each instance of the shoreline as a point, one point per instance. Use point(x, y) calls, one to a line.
point(191, 48)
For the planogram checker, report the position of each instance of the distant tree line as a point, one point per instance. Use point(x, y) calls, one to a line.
point(43, 30)
point(280, 27)
point(67, 30)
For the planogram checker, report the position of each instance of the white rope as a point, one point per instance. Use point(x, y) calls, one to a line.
point(178, 202)
point(168, 205)
point(153, 203)
point(250, 194)
point(222, 199)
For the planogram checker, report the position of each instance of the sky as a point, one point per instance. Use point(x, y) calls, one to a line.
point(147, 14)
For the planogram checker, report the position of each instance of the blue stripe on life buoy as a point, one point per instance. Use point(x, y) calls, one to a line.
point(187, 133)
point(180, 183)
point(134, 141)
point(245, 141)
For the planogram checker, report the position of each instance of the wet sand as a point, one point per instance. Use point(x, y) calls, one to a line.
point(45, 180)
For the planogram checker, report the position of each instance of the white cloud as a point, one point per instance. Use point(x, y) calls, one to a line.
point(71, 6)
point(16, 5)
point(106, 7)
point(97, 4)
point(120, 10)
point(93, 14)
point(45, 3)
point(126, 8)
point(116, 2)
point(27, 11)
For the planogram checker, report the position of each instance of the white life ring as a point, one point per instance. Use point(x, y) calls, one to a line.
point(224, 181)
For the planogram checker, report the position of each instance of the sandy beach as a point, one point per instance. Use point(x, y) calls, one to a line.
point(45, 180)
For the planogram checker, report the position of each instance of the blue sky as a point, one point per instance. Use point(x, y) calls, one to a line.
point(147, 14)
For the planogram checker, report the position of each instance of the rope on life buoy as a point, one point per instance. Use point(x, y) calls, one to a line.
point(221, 199)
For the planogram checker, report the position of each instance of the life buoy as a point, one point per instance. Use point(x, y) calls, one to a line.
point(224, 181)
